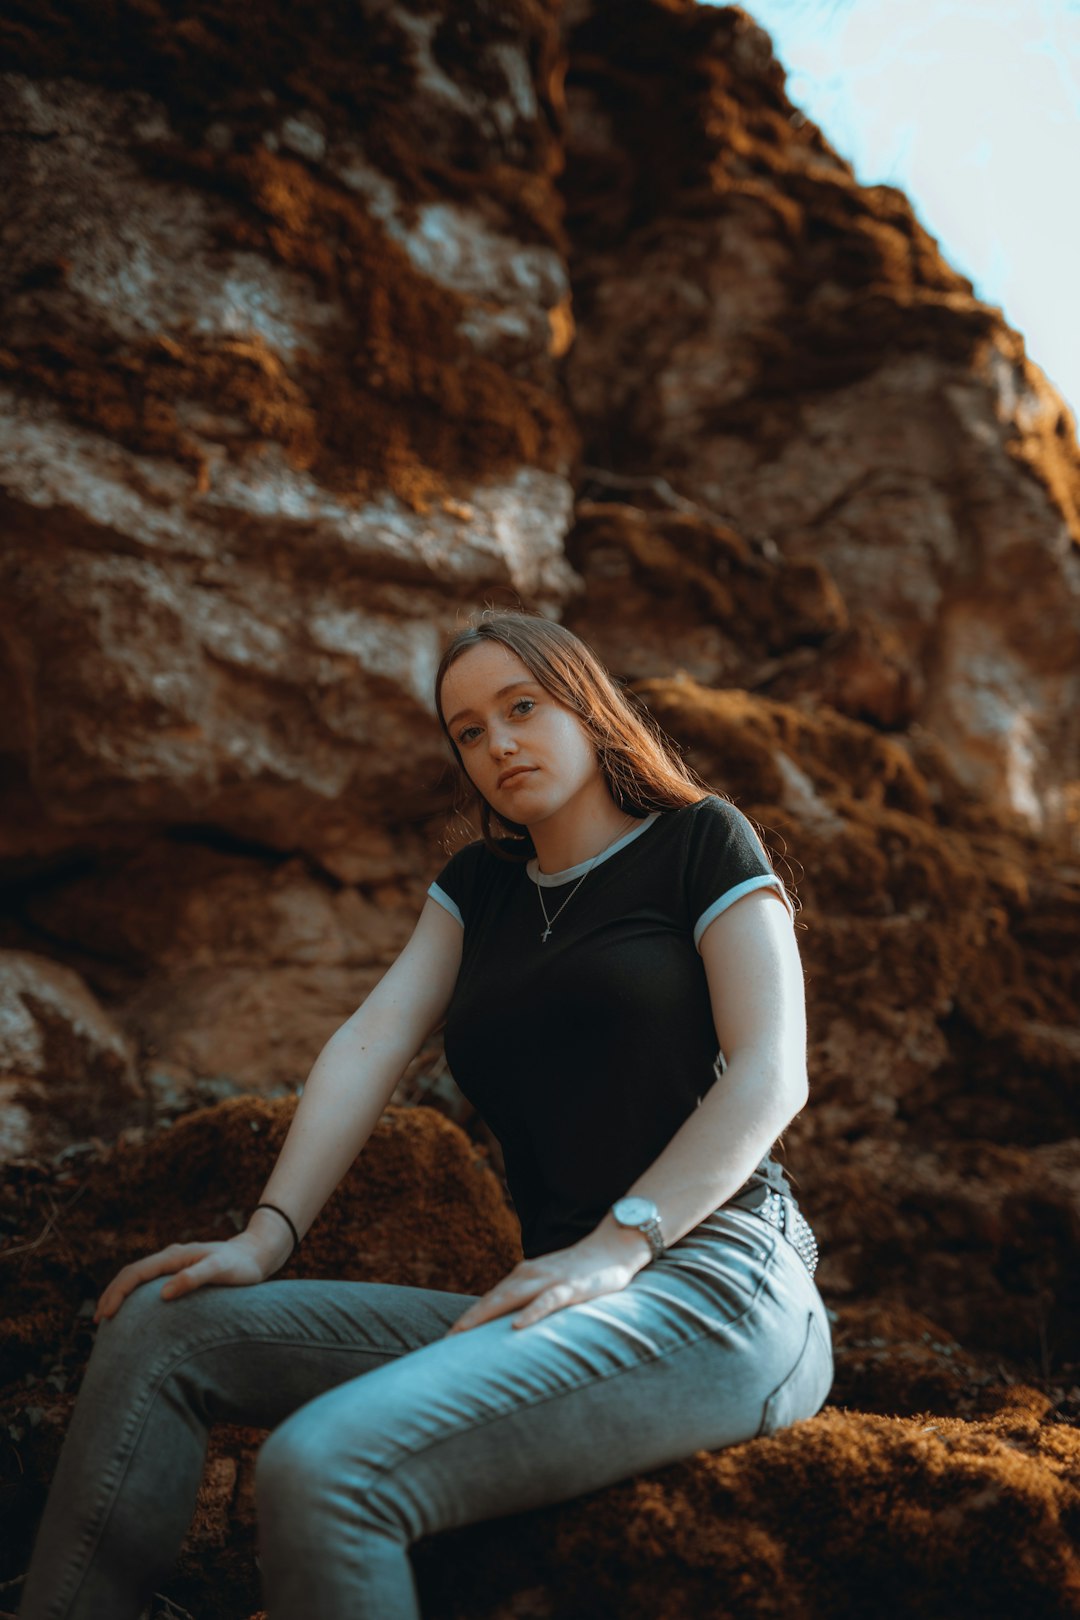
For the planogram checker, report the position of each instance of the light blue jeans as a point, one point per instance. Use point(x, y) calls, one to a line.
point(384, 1430)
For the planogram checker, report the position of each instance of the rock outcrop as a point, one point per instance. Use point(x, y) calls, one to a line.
point(321, 335)
point(279, 403)
point(788, 350)
point(65, 1067)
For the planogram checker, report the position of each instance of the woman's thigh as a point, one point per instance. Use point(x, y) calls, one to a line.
point(723, 1338)
point(253, 1355)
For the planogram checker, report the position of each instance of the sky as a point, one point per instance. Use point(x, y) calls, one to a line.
point(972, 108)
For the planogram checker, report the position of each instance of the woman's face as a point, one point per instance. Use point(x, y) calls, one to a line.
point(524, 752)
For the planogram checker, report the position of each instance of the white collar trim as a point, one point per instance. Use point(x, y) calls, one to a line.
point(550, 880)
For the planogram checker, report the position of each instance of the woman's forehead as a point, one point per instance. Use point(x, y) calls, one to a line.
point(480, 671)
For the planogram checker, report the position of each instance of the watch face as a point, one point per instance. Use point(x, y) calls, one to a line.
point(633, 1211)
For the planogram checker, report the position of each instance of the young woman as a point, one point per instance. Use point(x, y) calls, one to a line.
point(615, 925)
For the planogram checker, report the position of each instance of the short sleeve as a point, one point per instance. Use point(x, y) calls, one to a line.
point(453, 888)
point(725, 860)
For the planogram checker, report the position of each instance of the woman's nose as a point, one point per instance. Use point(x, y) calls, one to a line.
point(501, 742)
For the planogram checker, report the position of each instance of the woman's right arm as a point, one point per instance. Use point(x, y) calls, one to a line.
point(347, 1090)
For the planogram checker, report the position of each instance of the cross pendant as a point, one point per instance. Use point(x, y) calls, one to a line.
point(544, 935)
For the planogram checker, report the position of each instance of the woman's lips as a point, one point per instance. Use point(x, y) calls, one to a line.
point(517, 776)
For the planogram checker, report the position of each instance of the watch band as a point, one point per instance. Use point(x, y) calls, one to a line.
point(653, 1236)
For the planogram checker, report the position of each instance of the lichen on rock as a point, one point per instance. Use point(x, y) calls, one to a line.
point(322, 333)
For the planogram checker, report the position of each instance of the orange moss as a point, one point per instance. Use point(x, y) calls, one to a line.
point(844, 1514)
point(735, 736)
point(395, 397)
point(389, 1211)
point(704, 569)
point(398, 399)
point(909, 849)
point(353, 67)
point(894, 1360)
point(132, 394)
point(925, 1514)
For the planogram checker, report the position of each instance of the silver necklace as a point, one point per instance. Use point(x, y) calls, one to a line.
point(539, 888)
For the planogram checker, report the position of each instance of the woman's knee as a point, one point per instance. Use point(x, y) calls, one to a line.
point(143, 1319)
point(146, 1317)
point(296, 1461)
point(310, 1465)
point(148, 1334)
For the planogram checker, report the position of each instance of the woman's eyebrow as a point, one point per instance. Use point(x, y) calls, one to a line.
point(500, 693)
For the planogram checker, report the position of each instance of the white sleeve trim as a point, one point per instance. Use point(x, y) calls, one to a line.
point(765, 881)
point(445, 901)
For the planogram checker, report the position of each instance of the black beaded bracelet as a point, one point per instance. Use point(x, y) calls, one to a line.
point(288, 1222)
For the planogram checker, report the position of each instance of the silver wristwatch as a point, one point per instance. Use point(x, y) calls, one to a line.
point(642, 1214)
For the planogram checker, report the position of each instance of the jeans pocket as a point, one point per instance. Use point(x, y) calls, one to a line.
point(803, 1391)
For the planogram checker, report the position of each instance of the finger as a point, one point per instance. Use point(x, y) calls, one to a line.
point(552, 1299)
point(192, 1277)
point(509, 1295)
point(153, 1265)
point(130, 1277)
point(484, 1311)
point(149, 1266)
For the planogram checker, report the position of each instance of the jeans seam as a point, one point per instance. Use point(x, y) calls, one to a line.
point(602, 1378)
point(87, 1552)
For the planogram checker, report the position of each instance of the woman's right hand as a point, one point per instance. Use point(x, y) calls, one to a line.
point(235, 1262)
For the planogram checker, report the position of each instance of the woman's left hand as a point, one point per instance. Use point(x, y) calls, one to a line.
point(597, 1265)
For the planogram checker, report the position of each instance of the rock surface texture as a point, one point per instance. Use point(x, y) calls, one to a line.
point(791, 352)
point(325, 332)
point(278, 390)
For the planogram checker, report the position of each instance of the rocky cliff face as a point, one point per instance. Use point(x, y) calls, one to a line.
point(320, 335)
point(280, 402)
point(280, 405)
point(789, 352)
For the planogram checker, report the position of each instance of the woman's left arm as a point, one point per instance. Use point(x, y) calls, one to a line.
point(759, 1007)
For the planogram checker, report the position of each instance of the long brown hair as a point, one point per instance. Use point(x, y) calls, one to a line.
point(640, 765)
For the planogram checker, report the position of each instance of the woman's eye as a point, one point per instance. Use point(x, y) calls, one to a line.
point(467, 733)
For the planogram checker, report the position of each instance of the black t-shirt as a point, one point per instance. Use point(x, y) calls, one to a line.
point(585, 1053)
